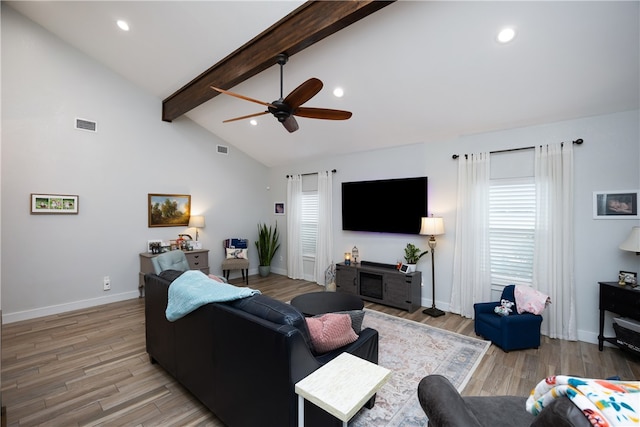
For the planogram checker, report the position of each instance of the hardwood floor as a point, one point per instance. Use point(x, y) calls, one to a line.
point(89, 367)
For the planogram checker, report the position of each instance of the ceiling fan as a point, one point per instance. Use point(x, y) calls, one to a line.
point(284, 109)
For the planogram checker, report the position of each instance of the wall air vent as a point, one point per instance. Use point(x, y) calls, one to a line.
point(88, 125)
point(222, 149)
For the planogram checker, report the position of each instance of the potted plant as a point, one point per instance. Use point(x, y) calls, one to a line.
point(412, 255)
point(267, 245)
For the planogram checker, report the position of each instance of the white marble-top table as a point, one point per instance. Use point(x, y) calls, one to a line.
point(341, 387)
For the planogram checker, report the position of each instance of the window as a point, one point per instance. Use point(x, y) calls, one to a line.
point(309, 225)
point(512, 215)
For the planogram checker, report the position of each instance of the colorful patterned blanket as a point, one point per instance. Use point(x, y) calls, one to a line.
point(605, 403)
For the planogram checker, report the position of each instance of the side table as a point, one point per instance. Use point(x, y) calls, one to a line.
point(623, 300)
point(341, 387)
point(198, 259)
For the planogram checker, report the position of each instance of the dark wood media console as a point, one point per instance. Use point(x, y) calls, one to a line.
point(381, 283)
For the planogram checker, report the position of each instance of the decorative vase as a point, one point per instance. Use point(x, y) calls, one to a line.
point(264, 270)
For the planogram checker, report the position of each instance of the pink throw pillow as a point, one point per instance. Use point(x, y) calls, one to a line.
point(216, 278)
point(330, 331)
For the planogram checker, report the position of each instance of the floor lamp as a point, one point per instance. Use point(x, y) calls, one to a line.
point(432, 226)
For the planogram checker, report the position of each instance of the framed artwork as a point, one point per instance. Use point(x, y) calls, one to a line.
point(54, 204)
point(615, 204)
point(278, 208)
point(628, 278)
point(169, 210)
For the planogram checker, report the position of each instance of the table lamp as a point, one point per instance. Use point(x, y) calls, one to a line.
point(632, 244)
point(196, 221)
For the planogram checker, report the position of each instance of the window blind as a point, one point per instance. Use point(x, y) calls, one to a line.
point(512, 214)
point(309, 223)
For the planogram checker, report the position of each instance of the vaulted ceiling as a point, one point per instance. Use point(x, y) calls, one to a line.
point(412, 71)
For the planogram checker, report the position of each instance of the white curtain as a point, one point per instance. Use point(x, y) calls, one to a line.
point(324, 238)
point(553, 256)
point(294, 238)
point(471, 268)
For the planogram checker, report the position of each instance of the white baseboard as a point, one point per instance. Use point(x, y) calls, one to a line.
point(62, 308)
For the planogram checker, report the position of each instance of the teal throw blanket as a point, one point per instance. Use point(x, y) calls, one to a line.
point(194, 289)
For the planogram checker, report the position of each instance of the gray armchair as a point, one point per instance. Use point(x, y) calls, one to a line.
point(172, 260)
point(445, 407)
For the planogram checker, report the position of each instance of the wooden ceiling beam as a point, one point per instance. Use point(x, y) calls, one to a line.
point(308, 24)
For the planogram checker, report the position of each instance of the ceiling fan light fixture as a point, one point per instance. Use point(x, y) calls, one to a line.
point(253, 122)
point(338, 92)
point(506, 35)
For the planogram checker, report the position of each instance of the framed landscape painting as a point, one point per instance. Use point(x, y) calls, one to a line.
point(54, 204)
point(169, 210)
point(615, 204)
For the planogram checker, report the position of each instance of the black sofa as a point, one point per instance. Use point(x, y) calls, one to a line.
point(241, 359)
point(446, 408)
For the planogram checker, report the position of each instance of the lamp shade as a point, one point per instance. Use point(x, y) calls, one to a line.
point(432, 226)
point(632, 244)
point(196, 221)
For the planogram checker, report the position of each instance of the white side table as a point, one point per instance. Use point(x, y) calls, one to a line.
point(341, 387)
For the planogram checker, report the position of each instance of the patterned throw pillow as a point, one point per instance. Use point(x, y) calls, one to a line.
point(330, 331)
point(357, 317)
point(236, 253)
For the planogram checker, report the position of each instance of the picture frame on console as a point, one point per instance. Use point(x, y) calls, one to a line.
point(628, 278)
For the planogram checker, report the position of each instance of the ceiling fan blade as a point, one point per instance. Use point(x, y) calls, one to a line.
point(246, 98)
point(245, 117)
point(303, 93)
point(290, 124)
point(322, 113)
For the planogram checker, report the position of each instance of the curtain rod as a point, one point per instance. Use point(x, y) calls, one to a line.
point(577, 141)
point(311, 173)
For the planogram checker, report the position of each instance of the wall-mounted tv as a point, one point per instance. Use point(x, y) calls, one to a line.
point(385, 206)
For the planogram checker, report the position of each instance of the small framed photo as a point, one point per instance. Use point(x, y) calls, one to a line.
point(153, 245)
point(54, 204)
point(615, 204)
point(628, 278)
point(278, 208)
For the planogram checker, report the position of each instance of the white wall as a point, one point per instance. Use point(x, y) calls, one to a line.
point(54, 263)
point(608, 160)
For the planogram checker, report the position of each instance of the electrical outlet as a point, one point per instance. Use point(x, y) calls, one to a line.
point(106, 283)
point(281, 258)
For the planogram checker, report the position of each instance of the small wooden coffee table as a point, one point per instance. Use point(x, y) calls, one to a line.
point(315, 303)
point(341, 387)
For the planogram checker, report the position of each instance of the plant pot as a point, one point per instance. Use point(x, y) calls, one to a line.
point(264, 270)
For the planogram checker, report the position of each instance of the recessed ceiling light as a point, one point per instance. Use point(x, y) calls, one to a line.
point(506, 35)
point(123, 25)
point(254, 122)
point(338, 92)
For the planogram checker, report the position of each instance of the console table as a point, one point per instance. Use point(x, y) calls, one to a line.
point(381, 283)
point(622, 300)
point(198, 259)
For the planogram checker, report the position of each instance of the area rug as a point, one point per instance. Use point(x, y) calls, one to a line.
point(413, 350)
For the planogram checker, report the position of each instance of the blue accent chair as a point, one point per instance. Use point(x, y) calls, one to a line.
point(512, 332)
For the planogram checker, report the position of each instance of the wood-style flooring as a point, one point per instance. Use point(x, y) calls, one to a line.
point(89, 367)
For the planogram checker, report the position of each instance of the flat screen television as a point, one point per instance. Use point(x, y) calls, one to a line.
point(384, 206)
